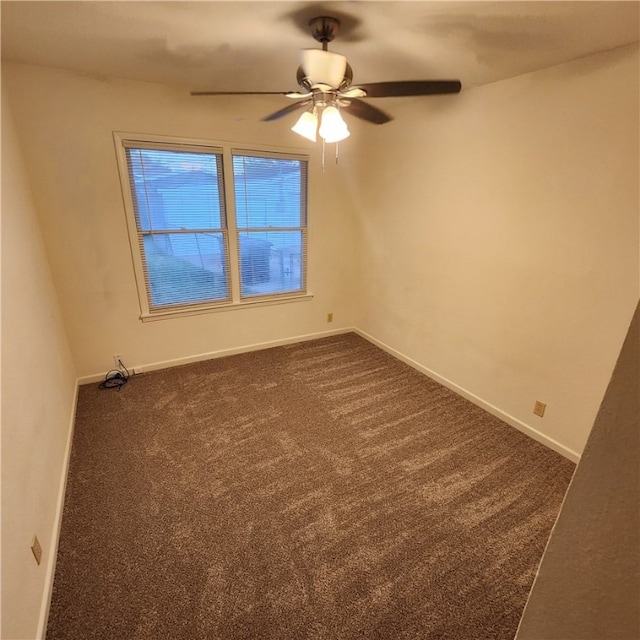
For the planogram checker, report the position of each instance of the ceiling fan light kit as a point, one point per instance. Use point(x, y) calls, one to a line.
point(325, 80)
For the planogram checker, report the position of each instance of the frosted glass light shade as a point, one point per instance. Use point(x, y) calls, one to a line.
point(332, 127)
point(306, 126)
point(337, 136)
point(324, 67)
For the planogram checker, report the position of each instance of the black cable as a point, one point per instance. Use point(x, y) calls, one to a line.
point(115, 379)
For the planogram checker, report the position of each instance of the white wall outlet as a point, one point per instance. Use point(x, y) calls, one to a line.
point(539, 407)
point(116, 360)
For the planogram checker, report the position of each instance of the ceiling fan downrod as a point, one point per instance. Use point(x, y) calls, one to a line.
point(324, 29)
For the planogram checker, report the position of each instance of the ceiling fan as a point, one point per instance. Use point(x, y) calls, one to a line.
point(325, 85)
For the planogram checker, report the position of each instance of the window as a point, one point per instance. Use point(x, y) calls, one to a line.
point(270, 205)
point(202, 240)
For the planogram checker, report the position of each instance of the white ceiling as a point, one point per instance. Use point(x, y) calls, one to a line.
point(255, 45)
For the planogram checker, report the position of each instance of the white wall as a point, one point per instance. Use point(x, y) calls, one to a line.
point(500, 239)
point(38, 401)
point(65, 122)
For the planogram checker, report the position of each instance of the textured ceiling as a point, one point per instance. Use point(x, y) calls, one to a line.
point(255, 45)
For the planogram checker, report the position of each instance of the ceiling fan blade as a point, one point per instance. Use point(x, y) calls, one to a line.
point(245, 93)
point(410, 88)
point(367, 112)
point(288, 109)
point(297, 94)
point(352, 92)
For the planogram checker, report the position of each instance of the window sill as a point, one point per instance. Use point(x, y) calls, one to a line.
point(227, 306)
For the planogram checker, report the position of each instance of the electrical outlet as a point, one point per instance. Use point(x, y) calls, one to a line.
point(539, 408)
point(116, 360)
point(329, 317)
point(36, 549)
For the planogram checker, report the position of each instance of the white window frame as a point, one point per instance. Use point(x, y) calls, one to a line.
point(123, 140)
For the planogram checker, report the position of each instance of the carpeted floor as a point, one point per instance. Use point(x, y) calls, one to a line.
point(322, 490)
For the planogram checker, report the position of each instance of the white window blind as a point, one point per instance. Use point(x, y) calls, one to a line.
point(178, 199)
point(271, 223)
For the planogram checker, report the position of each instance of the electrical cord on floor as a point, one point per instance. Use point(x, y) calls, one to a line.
point(115, 379)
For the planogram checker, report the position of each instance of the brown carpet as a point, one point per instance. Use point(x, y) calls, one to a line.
point(322, 490)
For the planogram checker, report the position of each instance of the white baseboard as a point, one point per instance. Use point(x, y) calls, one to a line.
point(165, 364)
point(57, 524)
point(487, 406)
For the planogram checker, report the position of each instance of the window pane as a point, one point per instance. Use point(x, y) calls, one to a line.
point(184, 268)
point(270, 198)
point(271, 262)
point(175, 189)
point(268, 192)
